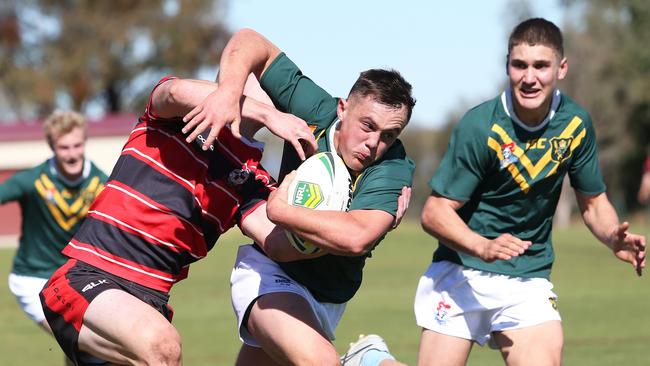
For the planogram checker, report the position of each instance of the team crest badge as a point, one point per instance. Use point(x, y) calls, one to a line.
point(509, 157)
point(238, 177)
point(442, 312)
point(561, 148)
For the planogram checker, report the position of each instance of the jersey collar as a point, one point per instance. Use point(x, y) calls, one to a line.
point(54, 171)
point(506, 100)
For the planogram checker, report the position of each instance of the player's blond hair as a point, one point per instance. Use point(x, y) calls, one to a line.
point(60, 123)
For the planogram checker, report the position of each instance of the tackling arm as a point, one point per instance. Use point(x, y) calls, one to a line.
point(176, 97)
point(272, 239)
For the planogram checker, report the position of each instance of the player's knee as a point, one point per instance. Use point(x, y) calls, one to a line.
point(162, 346)
point(323, 356)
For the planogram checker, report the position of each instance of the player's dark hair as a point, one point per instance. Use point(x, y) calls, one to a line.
point(388, 87)
point(537, 31)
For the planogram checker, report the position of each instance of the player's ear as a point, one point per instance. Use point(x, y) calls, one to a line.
point(563, 69)
point(341, 108)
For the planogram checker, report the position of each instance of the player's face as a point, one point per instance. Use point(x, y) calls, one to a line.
point(368, 128)
point(534, 72)
point(69, 152)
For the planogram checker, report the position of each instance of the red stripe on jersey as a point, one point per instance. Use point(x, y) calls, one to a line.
point(155, 226)
point(63, 299)
point(118, 266)
point(136, 195)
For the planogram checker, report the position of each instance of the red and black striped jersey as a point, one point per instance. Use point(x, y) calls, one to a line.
point(167, 201)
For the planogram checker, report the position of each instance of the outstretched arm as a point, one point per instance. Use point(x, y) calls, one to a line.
point(247, 52)
point(601, 218)
point(440, 219)
point(176, 97)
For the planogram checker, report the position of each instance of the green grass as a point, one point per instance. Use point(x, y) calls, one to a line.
point(603, 305)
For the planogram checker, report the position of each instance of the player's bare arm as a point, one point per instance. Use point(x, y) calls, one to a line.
point(349, 233)
point(176, 97)
point(600, 217)
point(271, 238)
point(246, 52)
point(440, 219)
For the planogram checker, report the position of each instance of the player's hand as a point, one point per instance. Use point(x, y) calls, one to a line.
point(402, 205)
point(629, 247)
point(218, 109)
point(278, 199)
point(504, 247)
point(294, 130)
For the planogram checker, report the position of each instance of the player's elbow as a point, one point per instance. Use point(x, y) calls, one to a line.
point(356, 245)
point(429, 221)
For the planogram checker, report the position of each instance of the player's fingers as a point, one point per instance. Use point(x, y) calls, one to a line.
point(200, 127)
point(208, 143)
point(234, 128)
point(406, 193)
point(189, 118)
point(621, 231)
point(299, 148)
point(310, 141)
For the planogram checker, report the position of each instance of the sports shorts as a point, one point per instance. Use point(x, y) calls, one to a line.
point(255, 275)
point(66, 296)
point(26, 290)
point(471, 304)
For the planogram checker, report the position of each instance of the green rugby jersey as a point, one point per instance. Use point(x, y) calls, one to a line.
point(52, 210)
point(333, 278)
point(510, 177)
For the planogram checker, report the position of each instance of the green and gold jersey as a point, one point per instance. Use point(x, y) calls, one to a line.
point(510, 177)
point(52, 210)
point(333, 278)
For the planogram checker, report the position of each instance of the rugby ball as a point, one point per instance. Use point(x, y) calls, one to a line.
point(322, 182)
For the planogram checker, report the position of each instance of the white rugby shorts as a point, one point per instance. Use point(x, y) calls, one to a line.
point(26, 290)
point(255, 275)
point(471, 304)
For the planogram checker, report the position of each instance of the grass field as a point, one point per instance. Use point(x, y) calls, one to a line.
point(605, 308)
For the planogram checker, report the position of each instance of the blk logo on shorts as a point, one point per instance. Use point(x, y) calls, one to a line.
point(92, 285)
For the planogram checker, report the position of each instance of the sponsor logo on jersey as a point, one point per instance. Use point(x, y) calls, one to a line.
point(509, 157)
point(553, 301)
point(307, 195)
point(92, 285)
point(560, 148)
point(442, 312)
point(281, 280)
point(238, 177)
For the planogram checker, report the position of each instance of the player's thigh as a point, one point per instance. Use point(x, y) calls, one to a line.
point(538, 345)
point(286, 327)
point(442, 350)
point(119, 327)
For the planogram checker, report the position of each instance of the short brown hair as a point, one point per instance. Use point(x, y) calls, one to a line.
point(388, 87)
point(537, 31)
point(62, 122)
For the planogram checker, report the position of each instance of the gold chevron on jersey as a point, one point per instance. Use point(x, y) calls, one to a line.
point(561, 147)
point(67, 215)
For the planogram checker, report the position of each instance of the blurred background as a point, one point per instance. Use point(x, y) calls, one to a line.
point(103, 57)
